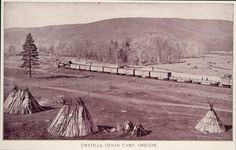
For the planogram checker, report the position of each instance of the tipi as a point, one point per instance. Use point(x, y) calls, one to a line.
point(210, 123)
point(21, 101)
point(72, 120)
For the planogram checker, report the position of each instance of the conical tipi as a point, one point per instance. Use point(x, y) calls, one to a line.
point(72, 120)
point(210, 123)
point(21, 101)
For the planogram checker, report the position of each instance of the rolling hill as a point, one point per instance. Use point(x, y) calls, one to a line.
point(143, 40)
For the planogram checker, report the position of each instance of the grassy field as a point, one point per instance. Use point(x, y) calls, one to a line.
point(169, 110)
point(217, 65)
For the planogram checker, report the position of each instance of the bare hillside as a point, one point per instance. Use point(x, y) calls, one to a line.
point(143, 40)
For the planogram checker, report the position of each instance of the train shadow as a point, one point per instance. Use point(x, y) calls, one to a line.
point(61, 76)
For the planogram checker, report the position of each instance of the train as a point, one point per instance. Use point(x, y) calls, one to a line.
point(153, 74)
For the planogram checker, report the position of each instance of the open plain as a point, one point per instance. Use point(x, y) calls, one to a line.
point(169, 110)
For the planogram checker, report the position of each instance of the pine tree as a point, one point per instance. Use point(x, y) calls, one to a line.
point(29, 55)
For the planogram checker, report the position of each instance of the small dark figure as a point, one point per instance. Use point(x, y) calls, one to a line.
point(58, 65)
point(139, 131)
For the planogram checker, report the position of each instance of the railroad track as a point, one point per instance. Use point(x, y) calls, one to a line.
point(153, 74)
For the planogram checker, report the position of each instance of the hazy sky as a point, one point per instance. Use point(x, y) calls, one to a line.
point(42, 14)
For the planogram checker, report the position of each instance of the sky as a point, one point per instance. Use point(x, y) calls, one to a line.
point(28, 14)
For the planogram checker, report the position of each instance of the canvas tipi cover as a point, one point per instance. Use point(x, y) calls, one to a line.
point(72, 120)
point(21, 101)
point(210, 123)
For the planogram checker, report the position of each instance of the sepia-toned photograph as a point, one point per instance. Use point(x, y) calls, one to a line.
point(117, 71)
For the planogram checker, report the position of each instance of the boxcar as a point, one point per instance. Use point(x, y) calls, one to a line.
point(173, 78)
point(67, 66)
point(214, 83)
point(184, 79)
point(142, 73)
point(196, 81)
point(226, 83)
point(96, 68)
point(210, 80)
point(110, 69)
point(85, 67)
point(189, 78)
point(126, 71)
point(75, 66)
point(160, 75)
point(60, 65)
point(138, 73)
point(114, 70)
point(121, 71)
point(129, 71)
point(205, 82)
point(181, 79)
point(107, 69)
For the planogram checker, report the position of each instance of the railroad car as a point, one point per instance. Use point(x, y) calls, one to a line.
point(181, 79)
point(188, 78)
point(75, 66)
point(226, 83)
point(126, 71)
point(196, 81)
point(138, 73)
point(163, 75)
point(84, 67)
point(205, 82)
point(210, 80)
point(129, 71)
point(158, 74)
point(110, 70)
point(171, 78)
point(121, 71)
point(60, 65)
point(142, 73)
point(67, 66)
point(96, 68)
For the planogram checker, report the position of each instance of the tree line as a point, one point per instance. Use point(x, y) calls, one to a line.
point(145, 50)
point(140, 51)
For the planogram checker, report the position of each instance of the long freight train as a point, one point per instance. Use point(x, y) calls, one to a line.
point(155, 74)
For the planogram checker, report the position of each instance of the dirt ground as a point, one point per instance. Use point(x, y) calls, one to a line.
point(168, 110)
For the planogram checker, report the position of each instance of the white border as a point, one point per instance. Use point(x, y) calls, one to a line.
point(76, 144)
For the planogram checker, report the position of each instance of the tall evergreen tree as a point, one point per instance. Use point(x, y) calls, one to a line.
point(29, 55)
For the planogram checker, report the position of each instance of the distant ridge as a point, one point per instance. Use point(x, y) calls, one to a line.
point(209, 35)
point(113, 19)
